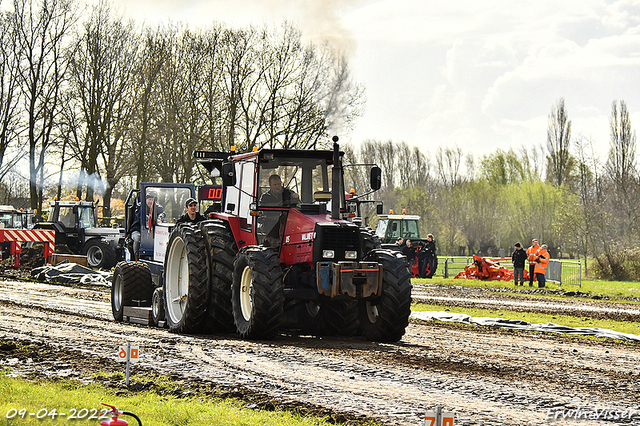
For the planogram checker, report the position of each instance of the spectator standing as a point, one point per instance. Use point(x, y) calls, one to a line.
point(409, 251)
point(518, 258)
point(430, 263)
point(542, 260)
point(531, 257)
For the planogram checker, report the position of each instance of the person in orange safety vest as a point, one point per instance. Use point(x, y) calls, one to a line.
point(542, 260)
point(531, 257)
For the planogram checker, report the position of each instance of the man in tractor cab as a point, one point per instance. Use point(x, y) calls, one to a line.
point(152, 204)
point(277, 195)
point(192, 215)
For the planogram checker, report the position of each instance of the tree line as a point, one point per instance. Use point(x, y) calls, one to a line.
point(88, 94)
point(564, 193)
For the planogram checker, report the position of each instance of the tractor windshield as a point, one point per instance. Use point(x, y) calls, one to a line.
point(291, 181)
point(5, 219)
point(87, 218)
point(167, 203)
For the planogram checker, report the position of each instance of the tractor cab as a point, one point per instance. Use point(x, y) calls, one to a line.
point(12, 218)
point(153, 210)
point(392, 226)
point(286, 200)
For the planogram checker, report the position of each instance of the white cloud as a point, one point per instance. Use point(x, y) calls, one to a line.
point(479, 75)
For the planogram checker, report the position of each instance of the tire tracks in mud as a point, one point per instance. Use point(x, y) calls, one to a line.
point(491, 377)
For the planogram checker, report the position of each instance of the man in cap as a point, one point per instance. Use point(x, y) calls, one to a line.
point(192, 215)
point(518, 258)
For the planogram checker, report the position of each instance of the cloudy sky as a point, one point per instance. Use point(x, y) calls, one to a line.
point(480, 75)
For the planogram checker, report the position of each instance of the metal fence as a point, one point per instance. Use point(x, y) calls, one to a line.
point(560, 271)
point(455, 264)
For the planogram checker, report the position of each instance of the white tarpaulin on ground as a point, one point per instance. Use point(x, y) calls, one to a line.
point(71, 273)
point(523, 325)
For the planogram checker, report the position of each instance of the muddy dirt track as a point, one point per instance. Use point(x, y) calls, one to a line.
point(487, 376)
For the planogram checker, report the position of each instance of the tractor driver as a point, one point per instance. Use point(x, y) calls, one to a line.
point(152, 202)
point(277, 195)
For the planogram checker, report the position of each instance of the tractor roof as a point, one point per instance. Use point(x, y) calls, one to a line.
point(213, 159)
point(400, 216)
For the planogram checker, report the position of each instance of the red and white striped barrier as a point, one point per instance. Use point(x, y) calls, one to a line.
point(19, 236)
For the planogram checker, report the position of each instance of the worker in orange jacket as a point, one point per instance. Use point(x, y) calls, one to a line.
point(531, 257)
point(542, 260)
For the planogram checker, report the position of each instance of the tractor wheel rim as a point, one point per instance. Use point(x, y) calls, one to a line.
point(177, 283)
point(312, 308)
point(246, 304)
point(117, 293)
point(94, 256)
point(372, 312)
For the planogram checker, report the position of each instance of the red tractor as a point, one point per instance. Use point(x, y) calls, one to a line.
point(279, 253)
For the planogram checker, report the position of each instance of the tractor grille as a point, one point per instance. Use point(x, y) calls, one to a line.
point(337, 237)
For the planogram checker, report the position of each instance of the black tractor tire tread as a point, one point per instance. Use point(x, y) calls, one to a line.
point(157, 301)
point(394, 305)
point(221, 251)
point(196, 308)
point(136, 285)
point(268, 293)
point(369, 240)
point(338, 318)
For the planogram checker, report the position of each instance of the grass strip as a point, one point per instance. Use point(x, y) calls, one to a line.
point(536, 318)
point(609, 289)
point(82, 400)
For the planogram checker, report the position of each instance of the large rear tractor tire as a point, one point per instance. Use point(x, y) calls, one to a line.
point(386, 318)
point(99, 254)
point(185, 283)
point(131, 286)
point(221, 251)
point(257, 293)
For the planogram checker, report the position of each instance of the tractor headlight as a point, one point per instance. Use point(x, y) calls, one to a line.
point(351, 255)
point(328, 254)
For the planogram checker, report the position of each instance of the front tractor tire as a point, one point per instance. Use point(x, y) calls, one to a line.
point(185, 280)
point(257, 293)
point(131, 286)
point(99, 254)
point(386, 318)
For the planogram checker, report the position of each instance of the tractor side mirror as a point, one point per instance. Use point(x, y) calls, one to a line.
point(229, 174)
point(376, 178)
point(379, 208)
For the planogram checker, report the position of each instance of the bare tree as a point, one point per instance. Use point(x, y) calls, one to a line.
point(9, 90)
point(42, 31)
point(558, 143)
point(621, 164)
point(149, 65)
point(448, 162)
point(101, 72)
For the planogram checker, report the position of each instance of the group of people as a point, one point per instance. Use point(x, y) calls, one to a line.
point(424, 253)
point(538, 258)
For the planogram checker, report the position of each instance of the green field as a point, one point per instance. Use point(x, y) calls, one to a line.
point(618, 291)
point(603, 291)
point(83, 401)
